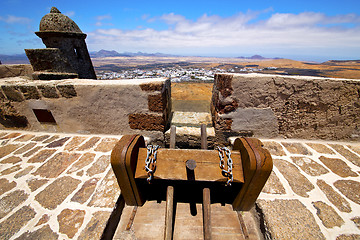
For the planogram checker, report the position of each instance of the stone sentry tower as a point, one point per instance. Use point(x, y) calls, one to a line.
point(65, 55)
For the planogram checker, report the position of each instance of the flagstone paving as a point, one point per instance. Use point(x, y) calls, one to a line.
point(55, 186)
point(61, 186)
point(313, 191)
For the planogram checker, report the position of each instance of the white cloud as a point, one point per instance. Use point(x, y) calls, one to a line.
point(104, 17)
point(70, 14)
point(15, 20)
point(281, 33)
point(100, 20)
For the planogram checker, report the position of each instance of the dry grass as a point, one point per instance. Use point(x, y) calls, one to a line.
point(191, 91)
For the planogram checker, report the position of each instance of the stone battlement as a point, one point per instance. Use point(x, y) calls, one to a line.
point(87, 106)
point(286, 106)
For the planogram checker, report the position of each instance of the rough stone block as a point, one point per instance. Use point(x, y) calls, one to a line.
point(352, 157)
point(48, 91)
point(8, 148)
point(48, 59)
point(70, 221)
point(350, 189)
point(44, 219)
point(338, 167)
point(10, 170)
point(262, 122)
point(85, 191)
point(10, 117)
point(151, 87)
point(320, 148)
point(93, 229)
point(12, 93)
point(106, 145)
point(6, 185)
point(292, 219)
point(149, 122)
point(298, 182)
point(30, 92)
point(309, 166)
point(296, 148)
point(89, 144)
point(106, 193)
point(43, 233)
point(156, 103)
point(16, 221)
point(36, 183)
point(274, 148)
point(12, 200)
point(15, 70)
point(56, 165)
point(67, 91)
point(328, 215)
point(273, 185)
point(55, 193)
point(334, 197)
point(53, 75)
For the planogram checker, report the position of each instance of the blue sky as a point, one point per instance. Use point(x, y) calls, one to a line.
point(302, 30)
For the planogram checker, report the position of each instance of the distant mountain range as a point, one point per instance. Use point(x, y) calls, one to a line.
point(22, 58)
point(14, 59)
point(105, 53)
point(257, 57)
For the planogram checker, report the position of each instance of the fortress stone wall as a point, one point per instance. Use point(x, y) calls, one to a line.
point(86, 106)
point(286, 106)
point(15, 70)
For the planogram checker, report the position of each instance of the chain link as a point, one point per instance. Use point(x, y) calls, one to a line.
point(150, 161)
point(226, 173)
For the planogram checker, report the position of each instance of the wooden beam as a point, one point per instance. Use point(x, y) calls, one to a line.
point(170, 165)
point(169, 214)
point(204, 144)
point(206, 214)
point(242, 225)
point(172, 136)
point(131, 219)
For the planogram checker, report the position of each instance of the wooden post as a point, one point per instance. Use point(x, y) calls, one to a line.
point(114, 219)
point(206, 214)
point(203, 137)
point(172, 136)
point(242, 225)
point(131, 220)
point(169, 214)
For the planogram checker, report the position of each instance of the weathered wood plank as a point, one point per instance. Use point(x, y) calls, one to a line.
point(169, 214)
point(206, 214)
point(171, 164)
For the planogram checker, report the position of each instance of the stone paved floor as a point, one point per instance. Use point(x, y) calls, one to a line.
point(313, 191)
point(61, 186)
point(55, 186)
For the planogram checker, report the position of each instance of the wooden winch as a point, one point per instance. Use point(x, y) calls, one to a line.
point(190, 171)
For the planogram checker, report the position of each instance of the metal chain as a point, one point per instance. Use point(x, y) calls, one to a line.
point(150, 161)
point(226, 173)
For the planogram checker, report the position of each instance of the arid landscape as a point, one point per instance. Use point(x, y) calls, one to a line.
point(333, 68)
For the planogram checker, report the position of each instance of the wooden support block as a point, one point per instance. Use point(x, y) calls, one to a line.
point(169, 214)
point(170, 165)
point(206, 214)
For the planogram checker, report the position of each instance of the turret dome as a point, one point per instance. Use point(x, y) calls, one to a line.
point(55, 21)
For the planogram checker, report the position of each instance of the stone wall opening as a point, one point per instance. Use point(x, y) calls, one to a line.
point(44, 116)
